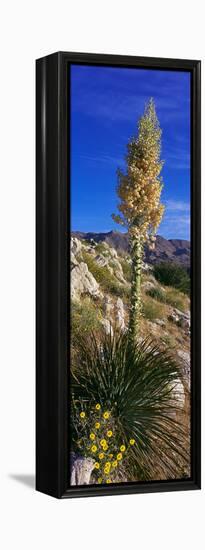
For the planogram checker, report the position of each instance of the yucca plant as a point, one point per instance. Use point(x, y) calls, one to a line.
point(138, 385)
point(139, 190)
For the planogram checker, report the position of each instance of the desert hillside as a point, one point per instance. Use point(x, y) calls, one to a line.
point(100, 289)
point(173, 250)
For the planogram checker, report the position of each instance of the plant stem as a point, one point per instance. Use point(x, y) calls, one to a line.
point(135, 306)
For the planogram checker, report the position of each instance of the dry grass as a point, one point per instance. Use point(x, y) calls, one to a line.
point(152, 309)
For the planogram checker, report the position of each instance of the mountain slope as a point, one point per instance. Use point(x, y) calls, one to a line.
point(173, 250)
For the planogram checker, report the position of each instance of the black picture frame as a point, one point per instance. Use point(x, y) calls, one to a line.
point(52, 273)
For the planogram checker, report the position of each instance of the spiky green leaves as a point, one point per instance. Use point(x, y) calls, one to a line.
point(136, 383)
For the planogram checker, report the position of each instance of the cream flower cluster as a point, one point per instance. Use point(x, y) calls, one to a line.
point(139, 189)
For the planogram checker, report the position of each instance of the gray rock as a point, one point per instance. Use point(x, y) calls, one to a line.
point(110, 256)
point(119, 274)
point(160, 322)
point(146, 267)
point(101, 260)
point(83, 282)
point(178, 392)
point(73, 260)
point(120, 314)
point(107, 326)
point(81, 469)
point(108, 306)
point(113, 253)
point(180, 318)
point(173, 317)
point(75, 245)
point(148, 285)
point(185, 365)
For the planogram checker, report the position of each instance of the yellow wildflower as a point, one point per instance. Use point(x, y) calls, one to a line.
point(98, 407)
point(105, 447)
point(109, 433)
point(107, 464)
point(114, 464)
point(99, 480)
point(103, 442)
point(97, 425)
point(111, 455)
point(92, 436)
point(132, 441)
point(106, 415)
point(122, 448)
point(101, 456)
point(119, 456)
point(82, 414)
point(97, 465)
point(108, 480)
point(93, 448)
point(107, 470)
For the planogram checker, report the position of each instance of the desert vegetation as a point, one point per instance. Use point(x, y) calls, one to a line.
point(129, 384)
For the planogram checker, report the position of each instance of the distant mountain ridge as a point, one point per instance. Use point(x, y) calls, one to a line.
point(173, 250)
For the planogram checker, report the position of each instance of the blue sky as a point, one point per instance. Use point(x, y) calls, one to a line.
point(106, 104)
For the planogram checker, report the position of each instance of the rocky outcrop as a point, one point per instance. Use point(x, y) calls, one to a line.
point(185, 365)
point(160, 322)
point(75, 246)
point(83, 282)
point(172, 250)
point(181, 319)
point(149, 285)
point(114, 315)
point(120, 314)
point(108, 307)
point(107, 325)
point(101, 260)
point(81, 469)
point(111, 257)
point(178, 393)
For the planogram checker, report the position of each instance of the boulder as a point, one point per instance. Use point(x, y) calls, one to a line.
point(107, 326)
point(115, 269)
point(120, 314)
point(178, 392)
point(81, 469)
point(113, 253)
point(118, 271)
point(148, 285)
point(101, 260)
point(185, 364)
point(181, 319)
point(73, 260)
point(108, 306)
point(83, 282)
point(75, 245)
point(160, 322)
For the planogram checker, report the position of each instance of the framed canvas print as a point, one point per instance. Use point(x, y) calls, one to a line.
point(118, 274)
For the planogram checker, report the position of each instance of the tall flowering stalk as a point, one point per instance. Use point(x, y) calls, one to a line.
point(139, 189)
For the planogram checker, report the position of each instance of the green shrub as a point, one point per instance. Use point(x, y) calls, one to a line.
point(152, 310)
point(174, 275)
point(176, 299)
point(86, 242)
point(127, 390)
point(157, 294)
point(170, 296)
point(121, 291)
point(85, 318)
point(100, 248)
